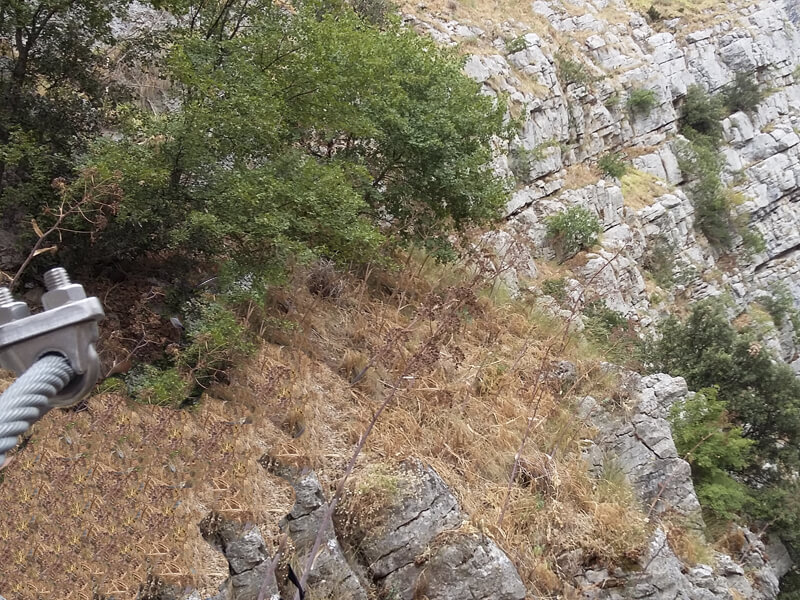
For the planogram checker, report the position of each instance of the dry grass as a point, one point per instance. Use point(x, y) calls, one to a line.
point(103, 497)
point(579, 176)
point(640, 189)
point(697, 14)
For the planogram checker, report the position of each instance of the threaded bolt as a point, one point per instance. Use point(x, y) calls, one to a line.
point(56, 278)
point(11, 309)
point(5, 296)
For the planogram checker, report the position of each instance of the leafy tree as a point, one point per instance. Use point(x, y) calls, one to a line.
point(704, 435)
point(52, 87)
point(761, 394)
point(296, 134)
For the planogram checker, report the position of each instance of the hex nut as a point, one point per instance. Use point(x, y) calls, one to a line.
point(63, 295)
point(13, 311)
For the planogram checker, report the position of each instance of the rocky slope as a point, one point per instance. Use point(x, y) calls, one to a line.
point(416, 538)
point(422, 546)
point(565, 126)
point(568, 124)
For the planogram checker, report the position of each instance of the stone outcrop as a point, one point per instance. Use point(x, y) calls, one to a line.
point(566, 122)
point(638, 437)
point(420, 546)
point(663, 576)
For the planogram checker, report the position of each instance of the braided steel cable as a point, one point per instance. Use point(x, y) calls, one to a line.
point(27, 399)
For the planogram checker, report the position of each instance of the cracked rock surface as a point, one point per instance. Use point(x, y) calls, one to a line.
point(664, 577)
point(418, 549)
point(247, 558)
point(331, 575)
point(642, 445)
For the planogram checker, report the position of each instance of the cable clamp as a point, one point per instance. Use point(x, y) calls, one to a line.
point(67, 326)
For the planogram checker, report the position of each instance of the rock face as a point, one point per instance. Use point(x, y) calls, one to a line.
point(247, 557)
point(663, 576)
point(642, 445)
point(419, 548)
point(331, 574)
point(568, 120)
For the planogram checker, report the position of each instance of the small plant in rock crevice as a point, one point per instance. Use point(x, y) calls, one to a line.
point(653, 14)
point(658, 261)
point(641, 102)
point(613, 164)
point(573, 230)
point(573, 71)
point(555, 288)
point(516, 45)
point(743, 93)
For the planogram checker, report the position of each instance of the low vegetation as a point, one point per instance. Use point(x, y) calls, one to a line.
point(464, 363)
point(573, 230)
point(702, 163)
point(743, 431)
point(641, 102)
point(613, 164)
point(572, 71)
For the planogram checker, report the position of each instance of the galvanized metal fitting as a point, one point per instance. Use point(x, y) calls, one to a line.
point(67, 326)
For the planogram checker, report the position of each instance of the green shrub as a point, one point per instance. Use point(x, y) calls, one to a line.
point(743, 94)
point(613, 164)
point(700, 160)
point(516, 45)
point(572, 231)
point(161, 387)
point(752, 240)
point(762, 400)
point(659, 260)
point(705, 437)
point(216, 340)
point(701, 114)
point(53, 83)
point(602, 322)
point(653, 14)
point(556, 288)
point(780, 306)
point(572, 71)
point(641, 101)
point(613, 334)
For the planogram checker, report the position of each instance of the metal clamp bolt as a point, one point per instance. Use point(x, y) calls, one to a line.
point(67, 326)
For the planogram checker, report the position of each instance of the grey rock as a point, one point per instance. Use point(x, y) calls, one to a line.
point(643, 446)
point(331, 574)
point(467, 566)
point(419, 549)
point(425, 510)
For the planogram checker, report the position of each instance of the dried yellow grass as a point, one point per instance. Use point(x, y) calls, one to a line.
point(104, 497)
point(640, 189)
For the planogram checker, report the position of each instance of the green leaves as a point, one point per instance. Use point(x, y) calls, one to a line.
point(763, 396)
point(304, 134)
point(572, 231)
